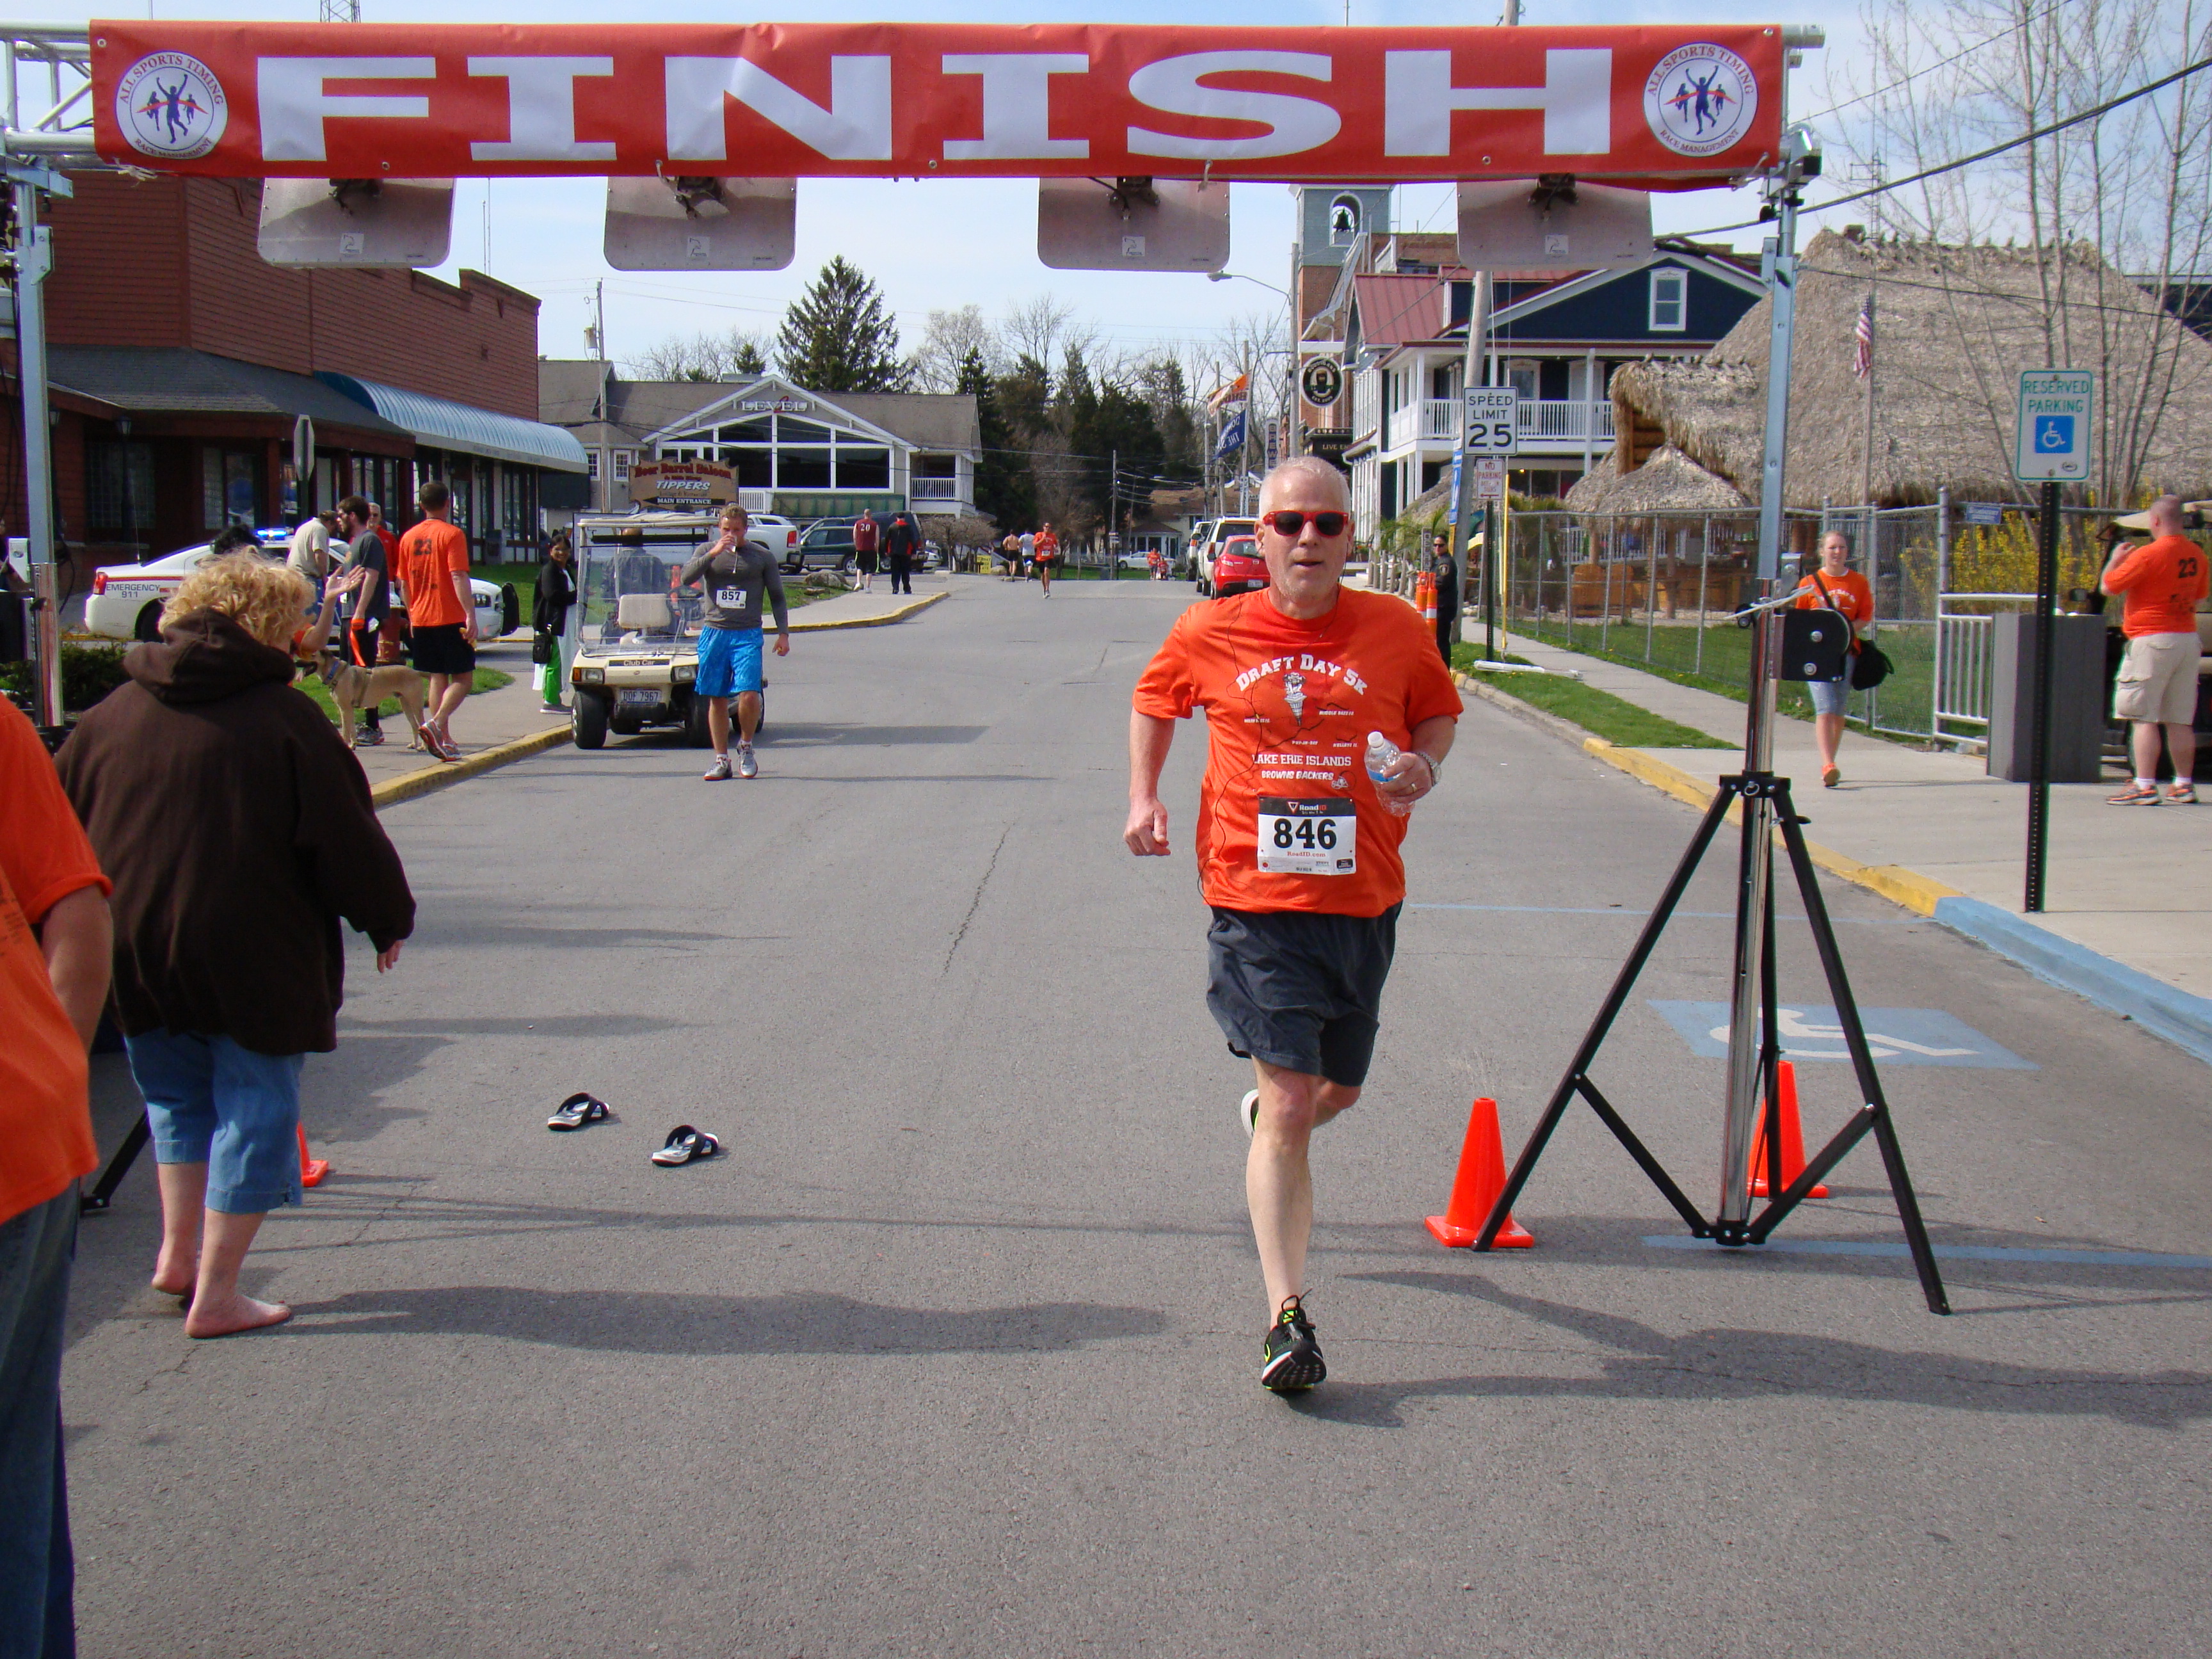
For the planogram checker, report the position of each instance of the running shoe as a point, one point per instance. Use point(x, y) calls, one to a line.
point(368, 737)
point(1829, 777)
point(2135, 795)
point(719, 770)
point(747, 766)
point(1248, 1111)
point(2181, 794)
point(440, 746)
point(551, 708)
point(1290, 1359)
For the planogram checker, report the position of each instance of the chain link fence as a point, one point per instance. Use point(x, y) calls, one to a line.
point(1659, 591)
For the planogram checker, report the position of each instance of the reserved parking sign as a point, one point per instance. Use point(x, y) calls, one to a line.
point(2054, 425)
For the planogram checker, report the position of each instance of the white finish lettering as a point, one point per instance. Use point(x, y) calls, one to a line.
point(294, 105)
point(856, 127)
point(1294, 125)
point(1577, 98)
point(541, 109)
point(1017, 105)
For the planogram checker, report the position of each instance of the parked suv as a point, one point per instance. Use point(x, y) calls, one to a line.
point(827, 545)
point(1219, 533)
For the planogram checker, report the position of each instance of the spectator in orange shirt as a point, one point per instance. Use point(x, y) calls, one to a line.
point(2164, 580)
point(55, 947)
point(441, 612)
point(1839, 587)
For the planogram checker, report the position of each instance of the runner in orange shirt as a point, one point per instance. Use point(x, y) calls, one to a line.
point(441, 612)
point(1046, 556)
point(1839, 587)
point(2164, 580)
point(1297, 841)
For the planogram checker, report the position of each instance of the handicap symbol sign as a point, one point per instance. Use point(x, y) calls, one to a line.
point(2054, 434)
point(1895, 1037)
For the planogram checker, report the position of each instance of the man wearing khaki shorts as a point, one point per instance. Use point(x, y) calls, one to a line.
point(2164, 580)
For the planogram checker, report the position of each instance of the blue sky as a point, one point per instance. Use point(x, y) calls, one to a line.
point(945, 243)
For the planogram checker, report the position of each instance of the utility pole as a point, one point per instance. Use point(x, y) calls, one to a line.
point(599, 301)
point(1866, 458)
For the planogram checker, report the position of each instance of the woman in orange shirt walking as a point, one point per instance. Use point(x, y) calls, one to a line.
point(1838, 587)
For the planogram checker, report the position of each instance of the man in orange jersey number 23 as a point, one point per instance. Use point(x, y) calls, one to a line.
point(1328, 716)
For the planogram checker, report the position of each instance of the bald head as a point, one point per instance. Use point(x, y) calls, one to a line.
point(1304, 475)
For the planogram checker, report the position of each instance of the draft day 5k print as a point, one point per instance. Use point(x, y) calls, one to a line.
point(171, 107)
point(1701, 99)
point(789, 101)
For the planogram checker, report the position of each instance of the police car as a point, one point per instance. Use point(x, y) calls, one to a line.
point(126, 600)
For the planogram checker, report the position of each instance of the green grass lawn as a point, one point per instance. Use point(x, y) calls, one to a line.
point(1599, 713)
point(1718, 657)
point(487, 679)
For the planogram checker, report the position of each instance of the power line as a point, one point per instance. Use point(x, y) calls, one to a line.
point(1905, 80)
point(2028, 137)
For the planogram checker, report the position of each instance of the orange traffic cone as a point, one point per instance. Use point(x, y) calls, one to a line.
point(1481, 1177)
point(1424, 596)
point(1793, 1137)
point(311, 1170)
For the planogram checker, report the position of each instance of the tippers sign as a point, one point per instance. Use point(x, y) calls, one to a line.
point(1670, 107)
point(682, 483)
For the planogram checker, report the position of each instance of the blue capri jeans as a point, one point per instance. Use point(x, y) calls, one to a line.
point(208, 1101)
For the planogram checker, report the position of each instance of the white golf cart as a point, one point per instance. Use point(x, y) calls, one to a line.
point(635, 636)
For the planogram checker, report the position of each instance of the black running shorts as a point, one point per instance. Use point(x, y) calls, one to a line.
point(1299, 990)
point(443, 651)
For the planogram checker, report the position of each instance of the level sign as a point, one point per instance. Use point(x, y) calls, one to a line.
point(2053, 436)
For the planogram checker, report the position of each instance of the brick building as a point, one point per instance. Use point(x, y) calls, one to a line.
point(179, 362)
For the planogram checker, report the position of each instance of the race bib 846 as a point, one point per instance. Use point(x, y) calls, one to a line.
point(1309, 837)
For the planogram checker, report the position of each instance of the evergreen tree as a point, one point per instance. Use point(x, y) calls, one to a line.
point(1025, 399)
point(838, 338)
point(1004, 487)
point(747, 357)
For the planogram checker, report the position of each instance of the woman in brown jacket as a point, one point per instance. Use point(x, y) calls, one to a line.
point(238, 830)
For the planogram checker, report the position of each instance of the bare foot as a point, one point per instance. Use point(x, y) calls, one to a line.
point(240, 1312)
point(176, 1278)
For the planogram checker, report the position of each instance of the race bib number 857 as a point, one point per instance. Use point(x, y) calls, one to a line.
point(1309, 837)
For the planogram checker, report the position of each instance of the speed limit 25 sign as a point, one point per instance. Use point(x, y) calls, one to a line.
point(1494, 420)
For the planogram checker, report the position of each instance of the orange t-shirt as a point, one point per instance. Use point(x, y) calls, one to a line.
point(1288, 708)
point(2164, 581)
point(45, 1126)
point(433, 552)
point(1848, 593)
point(1046, 548)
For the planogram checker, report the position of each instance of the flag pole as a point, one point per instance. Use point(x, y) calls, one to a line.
point(1865, 356)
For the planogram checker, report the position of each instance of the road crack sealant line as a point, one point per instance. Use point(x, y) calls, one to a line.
point(2181, 1018)
point(425, 780)
point(976, 902)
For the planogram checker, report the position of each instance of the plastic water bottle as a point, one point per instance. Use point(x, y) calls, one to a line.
point(1382, 755)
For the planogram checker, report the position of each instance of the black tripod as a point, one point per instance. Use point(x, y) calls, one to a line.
point(1753, 789)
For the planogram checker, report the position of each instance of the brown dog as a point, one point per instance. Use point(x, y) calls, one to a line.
point(352, 687)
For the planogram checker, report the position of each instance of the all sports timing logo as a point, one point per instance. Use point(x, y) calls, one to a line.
point(1700, 99)
point(171, 105)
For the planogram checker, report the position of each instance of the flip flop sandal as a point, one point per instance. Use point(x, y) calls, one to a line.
point(576, 1111)
point(684, 1145)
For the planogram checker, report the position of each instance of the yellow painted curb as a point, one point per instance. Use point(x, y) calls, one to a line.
point(436, 777)
point(1916, 892)
point(800, 625)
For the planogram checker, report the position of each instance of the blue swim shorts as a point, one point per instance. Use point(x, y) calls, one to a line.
point(729, 661)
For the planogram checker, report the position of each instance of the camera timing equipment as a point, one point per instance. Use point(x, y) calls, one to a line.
point(1805, 645)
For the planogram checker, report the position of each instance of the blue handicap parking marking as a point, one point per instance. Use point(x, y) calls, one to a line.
point(2054, 434)
point(1895, 1037)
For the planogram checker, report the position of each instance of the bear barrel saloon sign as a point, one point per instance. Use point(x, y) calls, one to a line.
point(1659, 107)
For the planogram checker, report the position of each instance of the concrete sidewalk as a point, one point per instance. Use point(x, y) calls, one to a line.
point(2124, 922)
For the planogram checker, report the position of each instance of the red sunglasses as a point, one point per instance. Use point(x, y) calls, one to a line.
point(1289, 522)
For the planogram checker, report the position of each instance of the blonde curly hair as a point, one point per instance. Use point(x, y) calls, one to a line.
point(266, 598)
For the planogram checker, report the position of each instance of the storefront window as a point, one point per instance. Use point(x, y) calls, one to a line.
point(803, 468)
point(118, 480)
point(863, 468)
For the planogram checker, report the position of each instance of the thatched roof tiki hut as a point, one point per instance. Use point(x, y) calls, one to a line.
point(1953, 328)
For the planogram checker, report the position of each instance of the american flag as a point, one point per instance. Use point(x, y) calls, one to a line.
point(1862, 359)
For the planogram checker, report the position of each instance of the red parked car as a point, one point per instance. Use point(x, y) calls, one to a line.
point(1238, 568)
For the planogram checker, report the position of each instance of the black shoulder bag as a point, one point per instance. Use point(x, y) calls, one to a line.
point(1870, 664)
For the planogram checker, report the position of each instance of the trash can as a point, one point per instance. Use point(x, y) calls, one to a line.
point(2077, 698)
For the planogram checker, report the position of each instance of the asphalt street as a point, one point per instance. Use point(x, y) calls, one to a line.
point(954, 1352)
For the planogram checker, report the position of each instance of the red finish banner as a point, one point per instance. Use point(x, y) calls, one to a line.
point(1670, 108)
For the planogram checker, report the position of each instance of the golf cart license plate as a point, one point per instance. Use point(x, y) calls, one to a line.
point(642, 697)
point(1307, 837)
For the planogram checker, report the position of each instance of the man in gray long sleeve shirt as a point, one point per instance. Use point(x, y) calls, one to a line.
point(735, 574)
